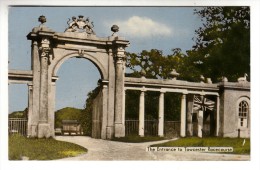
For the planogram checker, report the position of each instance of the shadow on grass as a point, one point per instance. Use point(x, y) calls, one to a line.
point(41, 149)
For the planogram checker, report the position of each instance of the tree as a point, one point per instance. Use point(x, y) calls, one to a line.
point(223, 42)
point(86, 116)
point(158, 66)
point(68, 113)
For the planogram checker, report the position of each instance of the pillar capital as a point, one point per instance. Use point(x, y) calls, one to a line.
point(162, 91)
point(119, 58)
point(45, 49)
point(143, 89)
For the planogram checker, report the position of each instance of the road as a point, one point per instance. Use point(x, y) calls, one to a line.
point(99, 149)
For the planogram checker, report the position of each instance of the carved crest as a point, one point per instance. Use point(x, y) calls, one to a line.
point(80, 24)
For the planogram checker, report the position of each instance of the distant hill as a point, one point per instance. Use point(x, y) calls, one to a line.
point(18, 114)
point(68, 113)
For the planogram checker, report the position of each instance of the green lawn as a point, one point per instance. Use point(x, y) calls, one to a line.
point(236, 143)
point(138, 139)
point(41, 149)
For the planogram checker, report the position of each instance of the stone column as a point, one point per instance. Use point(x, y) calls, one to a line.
point(141, 114)
point(110, 98)
point(34, 117)
point(105, 113)
point(183, 116)
point(44, 126)
point(200, 123)
point(189, 115)
point(123, 114)
point(30, 105)
point(161, 115)
point(217, 116)
point(51, 103)
point(119, 93)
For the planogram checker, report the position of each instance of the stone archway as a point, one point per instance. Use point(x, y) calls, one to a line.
point(50, 49)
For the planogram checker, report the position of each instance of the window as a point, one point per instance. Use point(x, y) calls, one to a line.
point(243, 113)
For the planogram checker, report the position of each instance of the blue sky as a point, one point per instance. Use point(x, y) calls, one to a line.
point(162, 28)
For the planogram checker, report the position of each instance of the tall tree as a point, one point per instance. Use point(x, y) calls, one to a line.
point(158, 66)
point(223, 42)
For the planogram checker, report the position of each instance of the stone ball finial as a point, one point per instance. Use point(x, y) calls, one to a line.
point(143, 73)
point(224, 79)
point(114, 29)
point(173, 74)
point(202, 79)
point(42, 19)
point(209, 81)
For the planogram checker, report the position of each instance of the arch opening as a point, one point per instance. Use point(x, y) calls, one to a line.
point(89, 57)
point(78, 78)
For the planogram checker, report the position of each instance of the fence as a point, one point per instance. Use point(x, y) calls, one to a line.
point(131, 127)
point(17, 126)
point(171, 128)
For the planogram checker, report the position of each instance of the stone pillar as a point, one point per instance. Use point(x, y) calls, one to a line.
point(51, 103)
point(161, 115)
point(44, 126)
point(189, 115)
point(104, 116)
point(183, 116)
point(123, 105)
point(34, 117)
point(119, 93)
point(217, 116)
point(200, 123)
point(110, 99)
point(141, 114)
point(30, 105)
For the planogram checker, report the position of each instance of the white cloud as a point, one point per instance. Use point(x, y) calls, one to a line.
point(137, 26)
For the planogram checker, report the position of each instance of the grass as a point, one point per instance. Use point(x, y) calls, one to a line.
point(236, 143)
point(138, 139)
point(41, 149)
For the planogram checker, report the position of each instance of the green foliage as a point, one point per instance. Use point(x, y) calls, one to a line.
point(236, 143)
point(222, 48)
point(41, 149)
point(158, 66)
point(172, 106)
point(19, 114)
point(223, 43)
point(132, 104)
point(86, 116)
point(68, 113)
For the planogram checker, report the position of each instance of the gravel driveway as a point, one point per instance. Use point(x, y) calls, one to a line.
point(99, 149)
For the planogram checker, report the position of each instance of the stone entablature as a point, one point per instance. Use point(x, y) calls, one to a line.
point(234, 85)
point(169, 85)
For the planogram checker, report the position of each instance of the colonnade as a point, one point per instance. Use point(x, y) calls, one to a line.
point(185, 112)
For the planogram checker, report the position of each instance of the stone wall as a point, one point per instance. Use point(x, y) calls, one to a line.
point(97, 116)
point(231, 94)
